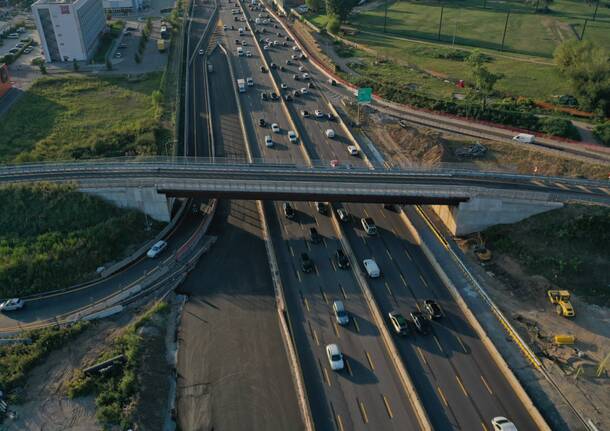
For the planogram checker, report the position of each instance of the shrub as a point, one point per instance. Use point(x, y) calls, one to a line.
point(333, 25)
point(559, 127)
point(602, 132)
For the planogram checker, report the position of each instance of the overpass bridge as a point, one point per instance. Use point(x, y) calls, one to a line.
point(474, 196)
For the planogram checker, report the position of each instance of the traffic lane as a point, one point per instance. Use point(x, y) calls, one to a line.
point(199, 147)
point(59, 304)
point(428, 386)
point(373, 395)
point(494, 390)
point(228, 138)
point(233, 371)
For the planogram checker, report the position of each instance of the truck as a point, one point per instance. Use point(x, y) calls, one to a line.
point(161, 45)
point(241, 84)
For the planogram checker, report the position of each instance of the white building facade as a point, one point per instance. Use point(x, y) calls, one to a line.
point(122, 7)
point(70, 29)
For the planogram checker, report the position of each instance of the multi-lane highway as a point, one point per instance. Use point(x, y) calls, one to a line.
point(453, 373)
point(368, 393)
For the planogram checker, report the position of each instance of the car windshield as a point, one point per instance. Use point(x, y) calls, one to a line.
point(336, 357)
point(401, 320)
point(341, 313)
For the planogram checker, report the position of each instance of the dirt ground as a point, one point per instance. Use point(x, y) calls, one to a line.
point(47, 407)
point(415, 144)
point(522, 298)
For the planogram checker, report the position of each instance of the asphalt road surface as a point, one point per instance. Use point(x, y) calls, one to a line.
point(233, 370)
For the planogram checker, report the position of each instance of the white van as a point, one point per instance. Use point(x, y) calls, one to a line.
point(371, 267)
point(524, 138)
point(240, 51)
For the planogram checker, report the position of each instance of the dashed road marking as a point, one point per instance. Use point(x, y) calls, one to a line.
point(365, 417)
point(462, 344)
point(369, 360)
point(389, 254)
point(461, 385)
point(349, 367)
point(343, 292)
point(356, 324)
point(442, 395)
point(421, 354)
point(486, 385)
point(388, 409)
point(423, 280)
point(438, 343)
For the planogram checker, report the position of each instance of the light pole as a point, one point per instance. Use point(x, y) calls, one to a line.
point(505, 27)
point(385, 16)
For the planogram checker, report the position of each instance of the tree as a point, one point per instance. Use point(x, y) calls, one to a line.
point(333, 25)
point(484, 79)
point(43, 68)
point(75, 64)
point(314, 5)
point(108, 64)
point(340, 8)
point(587, 66)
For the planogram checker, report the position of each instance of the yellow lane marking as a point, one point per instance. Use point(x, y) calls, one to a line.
point(343, 292)
point(291, 250)
point(332, 263)
point(356, 324)
point(369, 360)
point(462, 344)
point(365, 417)
point(486, 385)
point(335, 329)
point(348, 366)
point(306, 302)
point(423, 280)
point(438, 343)
point(314, 335)
point(403, 280)
point(299, 276)
point(386, 402)
point(389, 254)
point(461, 385)
point(562, 186)
point(326, 377)
point(408, 254)
point(323, 295)
point(440, 392)
point(340, 423)
point(484, 427)
point(421, 354)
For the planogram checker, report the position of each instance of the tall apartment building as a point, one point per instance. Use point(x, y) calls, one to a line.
point(69, 29)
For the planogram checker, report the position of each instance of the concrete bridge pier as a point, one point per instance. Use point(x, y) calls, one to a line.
point(146, 199)
point(479, 213)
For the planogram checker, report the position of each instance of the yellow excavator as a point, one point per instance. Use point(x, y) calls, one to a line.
point(561, 300)
point(480, 251)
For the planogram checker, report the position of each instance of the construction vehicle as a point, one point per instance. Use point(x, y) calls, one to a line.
point(561, 300)
point(480, 251)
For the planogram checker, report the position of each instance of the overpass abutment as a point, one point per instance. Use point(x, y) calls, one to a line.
point(146, 199)
point(479, 213)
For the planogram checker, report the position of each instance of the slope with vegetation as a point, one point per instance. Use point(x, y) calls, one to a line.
point(52, 236)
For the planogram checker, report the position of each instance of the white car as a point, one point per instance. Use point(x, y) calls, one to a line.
point(371, 267)
point(294, 57)
point(283, 86)
point(275, 43)
point(335, 358)
point(304, 90)
point(244, 43)
point(318, 113)
point(250, 82)
point(265, 47)
point(295, 48)
point(268, 141)
point(224, 27)
point(11, 304)
point(343, 214)
point(201, 52)
point(305, 76)
point(500, 423)
point(156, 249)
point(275, 128)
point(352, 150)
point(330, 133)
point(301, 68)
point(292, 136)
point(248, 54)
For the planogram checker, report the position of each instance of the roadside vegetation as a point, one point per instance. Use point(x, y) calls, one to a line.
point(52, 236)
point(568, 246)
point(75, 117)
point(17, 359)
point(117, 390)
point(114, 30)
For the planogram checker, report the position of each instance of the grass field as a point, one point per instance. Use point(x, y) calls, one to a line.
point(72, 117)
point(468, 23)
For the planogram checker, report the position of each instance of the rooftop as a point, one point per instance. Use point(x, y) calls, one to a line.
point(40, 2)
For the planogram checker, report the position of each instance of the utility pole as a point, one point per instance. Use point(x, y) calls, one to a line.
point(505, 27)
point(385, 17)
point(537, 3)
point(582, 34)
point(440, 23)
point(595, 13)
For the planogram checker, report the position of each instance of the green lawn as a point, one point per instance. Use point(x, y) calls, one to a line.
point(75, 116)
point(469, 24)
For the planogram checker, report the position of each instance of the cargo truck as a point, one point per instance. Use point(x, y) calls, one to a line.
point(241, 84)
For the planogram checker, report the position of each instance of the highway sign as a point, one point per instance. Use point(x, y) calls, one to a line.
point(364, 95)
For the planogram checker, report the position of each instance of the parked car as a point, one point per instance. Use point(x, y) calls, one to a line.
point(275, 128)
point(343, 214)
point(330, 133)
point(268, 141)
point(321, 207)
point(292, 136)
point(500, 423)
point(352, 150)
point(314, 235)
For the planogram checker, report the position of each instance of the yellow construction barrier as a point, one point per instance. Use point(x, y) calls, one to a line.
point(564, 339)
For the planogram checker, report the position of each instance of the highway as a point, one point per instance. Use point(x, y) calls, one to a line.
point(455, 376)
point(367, 394)
point(233, 371)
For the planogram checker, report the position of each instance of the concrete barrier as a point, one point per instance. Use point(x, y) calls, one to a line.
point(393, 353)
point(472, 320)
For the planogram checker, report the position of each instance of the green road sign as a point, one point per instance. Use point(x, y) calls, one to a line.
point(364, 95)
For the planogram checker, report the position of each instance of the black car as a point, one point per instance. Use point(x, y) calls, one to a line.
point(287, 38)
point(264, 96)
point(288, 98)
point(296, 93)
point(433, 309)
point(332, 82)
point(263, 69)
point(237, 42)
point(305, 114)
point(272, 65)
point(398, 322)
point(322, 207)
point(310, 84)
point(282, 68)
point(341, 258)
point(389, 207)
point(306, 263)
point(288, 211)
point(288, 62)
point(295, 77)
point(314, 236)
point(330, 117)
point(262, 121)
point(274, 96)
point(421, 324)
